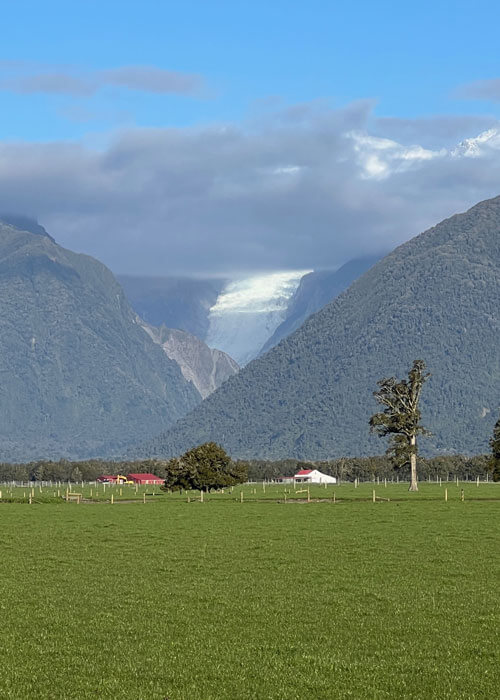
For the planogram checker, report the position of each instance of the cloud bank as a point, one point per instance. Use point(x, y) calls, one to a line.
point(26, 80)
point(308, 187)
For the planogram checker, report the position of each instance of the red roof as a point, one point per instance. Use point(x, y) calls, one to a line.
point(304, 472)
point(144, 477)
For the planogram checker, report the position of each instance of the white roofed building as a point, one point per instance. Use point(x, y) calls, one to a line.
point(313, 476)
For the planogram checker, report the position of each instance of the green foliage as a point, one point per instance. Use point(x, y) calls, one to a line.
point(381, 467)
point(401, 416)
point(310, 396)
point(204, 467)
point(65, 470)
point(495, 449)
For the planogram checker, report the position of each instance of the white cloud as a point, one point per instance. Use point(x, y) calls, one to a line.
point(303, 190)
point(381, 157)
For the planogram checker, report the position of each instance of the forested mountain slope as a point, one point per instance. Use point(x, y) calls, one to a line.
point(78, 375)
point(315, 290)
point(436, 297)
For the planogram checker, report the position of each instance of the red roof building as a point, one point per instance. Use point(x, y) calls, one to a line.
point(145, 479)
point(303, 472)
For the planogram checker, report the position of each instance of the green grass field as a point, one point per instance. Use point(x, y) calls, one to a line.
point(263, 599)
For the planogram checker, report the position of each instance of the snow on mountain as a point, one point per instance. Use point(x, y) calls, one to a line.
point(248, 311)
point(380, 158)
point(475, 147)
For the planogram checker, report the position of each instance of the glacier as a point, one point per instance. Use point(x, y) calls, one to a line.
point(248, 311)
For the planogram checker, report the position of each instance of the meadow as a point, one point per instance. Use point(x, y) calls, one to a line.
point(263, 599)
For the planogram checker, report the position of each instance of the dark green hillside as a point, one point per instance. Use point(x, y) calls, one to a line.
point(436, 297)
point(315, 290)
point(78, 375)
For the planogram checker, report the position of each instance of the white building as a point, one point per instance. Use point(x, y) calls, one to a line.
point(313, 476)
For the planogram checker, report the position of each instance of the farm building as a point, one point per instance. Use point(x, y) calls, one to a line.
point(313, 476)
point(145, 479)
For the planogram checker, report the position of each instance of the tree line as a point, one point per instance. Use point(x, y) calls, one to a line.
point(344, 468)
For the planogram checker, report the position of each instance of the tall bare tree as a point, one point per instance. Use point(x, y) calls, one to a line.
point(400, 418)
point(495, 450)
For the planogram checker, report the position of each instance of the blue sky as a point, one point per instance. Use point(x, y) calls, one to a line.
point(212, 137)
point(409, 57)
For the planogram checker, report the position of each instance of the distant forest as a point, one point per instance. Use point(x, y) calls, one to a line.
point(345, 469)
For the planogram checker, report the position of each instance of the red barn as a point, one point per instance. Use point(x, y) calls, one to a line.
point(145, 479)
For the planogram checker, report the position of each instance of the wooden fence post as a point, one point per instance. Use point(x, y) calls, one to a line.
point(446, 495)
point(144, 497)
point(462, 495)
point(112, 499)
point(241, 496)
point(373, 496)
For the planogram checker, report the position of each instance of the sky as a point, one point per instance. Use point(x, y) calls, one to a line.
point(237, 137)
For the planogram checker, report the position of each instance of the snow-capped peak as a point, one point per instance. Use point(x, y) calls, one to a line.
point(476, 146)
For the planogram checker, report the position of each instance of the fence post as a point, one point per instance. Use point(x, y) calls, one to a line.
point(445, 495)
point(373, 495)
point(462, 495)
point(112, 499)
point(241, 496)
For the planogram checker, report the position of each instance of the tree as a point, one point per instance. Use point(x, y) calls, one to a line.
point(495, 448)
point(207, 466)
point(400, 418)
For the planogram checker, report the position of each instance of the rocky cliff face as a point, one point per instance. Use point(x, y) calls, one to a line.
point(204, 367)
point(78, 375)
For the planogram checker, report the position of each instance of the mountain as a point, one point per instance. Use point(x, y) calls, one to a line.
point(25, 223)
point(248, 310)
point(437, 297)
point(315, 290)
point(78, 375)
point(205, 367)
point(175, 302)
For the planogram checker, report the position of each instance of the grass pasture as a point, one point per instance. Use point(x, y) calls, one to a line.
point(264, 600)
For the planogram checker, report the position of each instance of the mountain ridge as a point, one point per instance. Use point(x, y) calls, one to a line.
point(436, 297)
point(79, 376)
